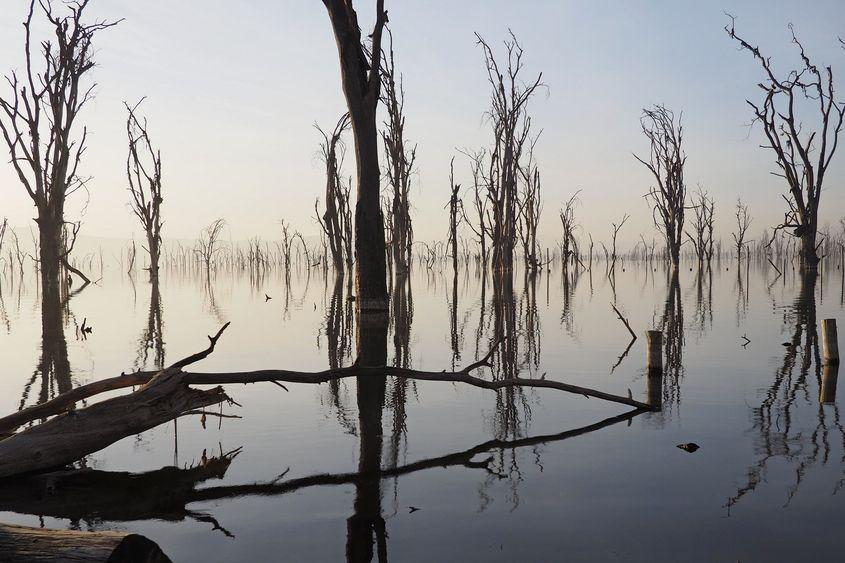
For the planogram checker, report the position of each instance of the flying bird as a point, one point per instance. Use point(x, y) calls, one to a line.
point(267, 298)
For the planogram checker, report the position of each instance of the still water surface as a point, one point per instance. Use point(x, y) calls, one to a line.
point(537, 475)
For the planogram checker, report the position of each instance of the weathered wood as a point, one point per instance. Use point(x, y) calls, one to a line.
point(66, 401)
point(34, 545)
point(168, 395)
point(830, 342)
point(76, 433)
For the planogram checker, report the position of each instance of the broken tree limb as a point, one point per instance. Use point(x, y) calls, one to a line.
point(66, 401)
point(624, 322)
point(167, 395)
point(22, 543)
point(77, 433)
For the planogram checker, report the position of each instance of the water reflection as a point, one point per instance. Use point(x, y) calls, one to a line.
point(560, 337)
point(779, 422)
point(152, 337)
point(672, 325)
point(53, 368)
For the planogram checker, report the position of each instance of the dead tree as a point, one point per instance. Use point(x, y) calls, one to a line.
point(399, 165)
point(616, 228)
point(794, 143)
point(38, 124)
point(482, 230)
point(743, 221)
point(704, 209)
point(207, 245)
point(333, 219)
point(143, 170)
point(567, 222)
point(666, 163)
point(455, 206)
point(511, 124)
point(360, 70)
point(530, 207)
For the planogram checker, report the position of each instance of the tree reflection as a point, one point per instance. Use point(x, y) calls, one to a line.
point(152, 338)
point(53, 368)
point(777, 420)
point(672, 325)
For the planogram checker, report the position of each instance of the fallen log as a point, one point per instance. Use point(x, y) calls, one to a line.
point(36, 545)
point(167, 395)
point(76, 433)
point(67, 401)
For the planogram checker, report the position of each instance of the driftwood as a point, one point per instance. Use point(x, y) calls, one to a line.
point(77, 433)
point(21, 543)
point(166, 395)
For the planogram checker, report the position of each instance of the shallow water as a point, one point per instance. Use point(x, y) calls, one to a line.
point(569, 478)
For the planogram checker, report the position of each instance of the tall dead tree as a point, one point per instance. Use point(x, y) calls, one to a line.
point(143, 170)
point(39, 123)
point(511, 124)
point(455, 214)
point(399, 163)
point(334, 219)
point(360, 70)
point(704, 209)
point(530, 207)
point(794, 142)
point(666, 163)
point(482, 230)
point(743, 221)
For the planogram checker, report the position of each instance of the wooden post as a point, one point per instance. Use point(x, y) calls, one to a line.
point(827, 393)
point(654, 360)
point(830, 343)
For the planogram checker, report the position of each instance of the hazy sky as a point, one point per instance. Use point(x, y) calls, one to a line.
point(234, 88)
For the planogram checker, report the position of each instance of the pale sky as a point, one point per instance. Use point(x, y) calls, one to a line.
point(234, 87)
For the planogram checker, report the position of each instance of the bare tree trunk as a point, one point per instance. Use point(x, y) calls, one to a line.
point(361, 79)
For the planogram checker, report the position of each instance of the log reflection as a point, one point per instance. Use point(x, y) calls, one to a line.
point(94, 497)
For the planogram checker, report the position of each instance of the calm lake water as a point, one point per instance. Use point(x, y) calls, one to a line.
point(569, 479)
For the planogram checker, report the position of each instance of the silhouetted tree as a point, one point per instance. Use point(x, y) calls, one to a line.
point(794, 142)
point(360, 70)
point(743, 221)
point(335, 220)
point(567, 222)
point(143, 170)
point(39, 124)
point(666, 163)
point(399, 166)
point(511, 124)
point(704, 210)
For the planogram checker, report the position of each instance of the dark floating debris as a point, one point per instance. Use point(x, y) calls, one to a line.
point(689, 447)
